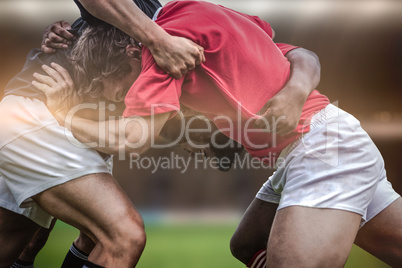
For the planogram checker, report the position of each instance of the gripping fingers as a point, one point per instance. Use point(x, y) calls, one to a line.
point(264, 124)
point(56, 41)
point(190, 66)
point(201, 57)
point(57, 78)
point(44, 79)
point(184, 70)
point(53, 101)
point(62, 31)
point(55, 45)
point(261, 122)
point(64, 74)
point(45, 89)
point(55, 38)
point(265, 120)
point(175, 72)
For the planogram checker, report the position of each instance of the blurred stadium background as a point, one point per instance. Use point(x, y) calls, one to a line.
point(191, 215)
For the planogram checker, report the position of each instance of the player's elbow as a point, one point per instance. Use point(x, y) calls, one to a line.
point(129, 146)
point(313, 59)
point(317, 65)
point(312, 55)
point(134, 145)
point(134, 137)
point(311, 62)
point(133, 151)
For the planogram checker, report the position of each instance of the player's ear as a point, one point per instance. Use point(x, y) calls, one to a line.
point(133, 51)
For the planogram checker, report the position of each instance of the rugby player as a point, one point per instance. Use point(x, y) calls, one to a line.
point(51, 178)
point(331, 189)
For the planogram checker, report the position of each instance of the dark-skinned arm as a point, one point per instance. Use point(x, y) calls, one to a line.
point(175, 55)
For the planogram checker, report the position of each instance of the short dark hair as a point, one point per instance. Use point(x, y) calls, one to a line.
point(99, 53)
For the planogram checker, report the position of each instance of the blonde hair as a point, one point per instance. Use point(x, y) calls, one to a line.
point(99, 53)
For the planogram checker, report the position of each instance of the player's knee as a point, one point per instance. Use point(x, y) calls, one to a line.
point(140, 239)
point(131, 236)
point(136, 236)
point(128, 247)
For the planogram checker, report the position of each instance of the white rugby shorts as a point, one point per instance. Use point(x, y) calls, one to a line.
point(36, 153)
point(335, 165)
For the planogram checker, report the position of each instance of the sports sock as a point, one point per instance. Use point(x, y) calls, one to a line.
point(22, 264)
point(75, 258)
point(89, 264)
point(259, 259)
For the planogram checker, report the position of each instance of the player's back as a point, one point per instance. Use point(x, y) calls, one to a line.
point(241, 58)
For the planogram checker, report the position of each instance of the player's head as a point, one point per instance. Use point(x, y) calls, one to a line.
point(106, 62)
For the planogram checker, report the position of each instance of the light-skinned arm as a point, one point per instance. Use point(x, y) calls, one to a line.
point(121, 136)
point(288, 103)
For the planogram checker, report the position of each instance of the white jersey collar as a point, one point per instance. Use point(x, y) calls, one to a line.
point(156, 14)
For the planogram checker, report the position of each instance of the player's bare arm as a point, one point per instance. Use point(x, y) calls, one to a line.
point(128, 135)
point(56, 36)
point(175, 55)
point(131, 135)
point(288, 103)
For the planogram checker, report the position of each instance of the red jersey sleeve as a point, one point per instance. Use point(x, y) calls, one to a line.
point(285, 48)
point(153, 92)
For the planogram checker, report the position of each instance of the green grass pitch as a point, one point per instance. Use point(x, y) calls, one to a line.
point(177, 246)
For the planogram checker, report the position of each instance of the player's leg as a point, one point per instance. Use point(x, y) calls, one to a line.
point(67, 180)
point(76, 257)
point(311, 237)
point(15, 233)
point(97, 206)
point(249, 242)
point(251, 235)
point(17, 225)
point(27, 257)
point(79, 251)
point(382, 234)
point(326, 183)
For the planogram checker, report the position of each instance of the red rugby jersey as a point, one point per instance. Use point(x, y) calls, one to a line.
point(244, 68)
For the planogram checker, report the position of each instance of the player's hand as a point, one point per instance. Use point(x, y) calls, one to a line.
point(177, 55)
point(55, 36)
point(58, 88)
point(281, 114)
